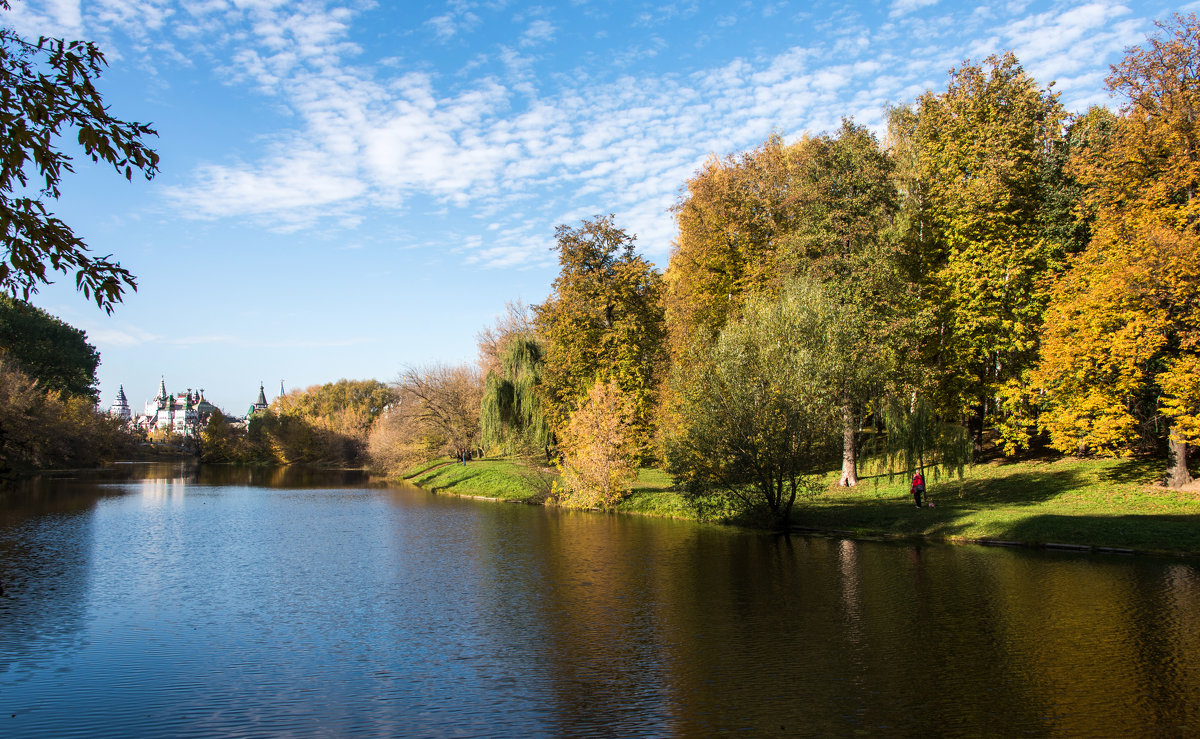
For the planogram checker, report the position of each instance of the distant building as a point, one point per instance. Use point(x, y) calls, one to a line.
point(259, 405)
point(184, 413)
point(120, 409)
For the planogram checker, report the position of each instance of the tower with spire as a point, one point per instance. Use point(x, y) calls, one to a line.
point(260, 404)
point(182, 413)
point(120, 408)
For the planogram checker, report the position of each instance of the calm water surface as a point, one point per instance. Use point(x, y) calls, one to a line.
point(157, 601)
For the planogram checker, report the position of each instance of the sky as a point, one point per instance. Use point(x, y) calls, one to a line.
point(351, 188)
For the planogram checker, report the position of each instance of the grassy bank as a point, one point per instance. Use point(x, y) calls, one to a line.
point(1105, 503)
point(504, 479)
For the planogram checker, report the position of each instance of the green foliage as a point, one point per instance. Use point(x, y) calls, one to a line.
point(511, 418)
point(755, 415)
point(603, 321)
point(47, 87)
point(55, 353)
point(824, 208)
point(980, 161)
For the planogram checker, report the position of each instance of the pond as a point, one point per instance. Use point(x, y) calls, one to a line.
point(160, 600)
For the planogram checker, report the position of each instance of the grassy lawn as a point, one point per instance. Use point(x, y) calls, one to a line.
point(1112, 503)
point(488, 478)
point(1109, 503)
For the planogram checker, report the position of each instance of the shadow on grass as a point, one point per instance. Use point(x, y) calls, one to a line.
point(890, 517)
point(1143, 471)
point(1151, 532)
point(1015, 488)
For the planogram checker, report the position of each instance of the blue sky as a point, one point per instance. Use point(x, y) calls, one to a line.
point(348, 188)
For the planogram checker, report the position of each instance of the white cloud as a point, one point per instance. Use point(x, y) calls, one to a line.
point(517, 150)
point(459, 18)
point(904, 7)
point(539, 32)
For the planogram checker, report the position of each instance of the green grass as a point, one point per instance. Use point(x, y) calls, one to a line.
point(488, 478)
point(1111, 503)
point(652, 496)
point(1108, 503)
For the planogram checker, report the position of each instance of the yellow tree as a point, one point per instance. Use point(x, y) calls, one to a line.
point(731, 218)
point(603, 319)
point(980, 147)
point(598, 448)
point(1121, 345)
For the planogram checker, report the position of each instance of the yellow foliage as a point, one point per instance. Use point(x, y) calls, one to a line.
point(598, 464)
point(1181, 396)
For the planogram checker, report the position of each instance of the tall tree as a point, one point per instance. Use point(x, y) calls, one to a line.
point(844, 199)
point(54, 353)
point(1121, 347)
point(731, 217)
point(822, 207)
point(980, 149)
point(603, 321)
point(47, 87)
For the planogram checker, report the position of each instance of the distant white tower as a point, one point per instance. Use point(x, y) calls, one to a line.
point(120, 409)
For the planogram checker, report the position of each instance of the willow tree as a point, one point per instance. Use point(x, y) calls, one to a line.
point(918, 439)
point(756, 413)
point(1121, 347)
point(511, 417)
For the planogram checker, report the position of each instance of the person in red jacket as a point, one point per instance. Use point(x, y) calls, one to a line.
point(918, 488)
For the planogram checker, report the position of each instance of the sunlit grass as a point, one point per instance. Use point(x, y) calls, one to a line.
point(1113, 503)
point(489, 478)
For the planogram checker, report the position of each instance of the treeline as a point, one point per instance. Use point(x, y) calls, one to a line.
point(48, 418)
point(321, 425)
point(994, 272)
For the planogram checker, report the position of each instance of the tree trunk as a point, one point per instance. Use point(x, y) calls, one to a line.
point(976, 425)
point(849, 449)
point(1178, 476)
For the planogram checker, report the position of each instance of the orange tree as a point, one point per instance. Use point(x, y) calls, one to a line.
point(1121, 344)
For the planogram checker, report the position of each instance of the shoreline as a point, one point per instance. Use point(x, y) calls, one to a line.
point(1093, 506)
